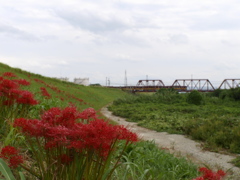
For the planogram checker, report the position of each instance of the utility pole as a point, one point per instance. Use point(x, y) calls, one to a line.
point(125, 80)
point(191, 82)
point(147, 80)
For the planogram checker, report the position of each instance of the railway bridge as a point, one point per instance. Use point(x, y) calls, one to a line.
point(181, 85)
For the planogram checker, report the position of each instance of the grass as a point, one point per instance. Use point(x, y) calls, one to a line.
point(142, 160)
point(145, 161)
point(215, 121)
point(95, 97)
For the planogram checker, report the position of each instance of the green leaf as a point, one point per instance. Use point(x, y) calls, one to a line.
point(22, 175)
point(6, 171)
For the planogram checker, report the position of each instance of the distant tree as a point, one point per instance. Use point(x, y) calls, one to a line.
point(217, 92)
point(235, 93)
point(164, 91)
point(95, 84)
point(194, 97)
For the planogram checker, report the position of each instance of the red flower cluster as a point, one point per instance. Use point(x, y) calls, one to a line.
point(58, 91)
point(65, 128)
point(65, 159)
point(45, 93)
point(26, 97)
point(210, 175)
point(11, 92)
point(22, 82)
point(88, 113)
point(9, 74)
point(11, 154)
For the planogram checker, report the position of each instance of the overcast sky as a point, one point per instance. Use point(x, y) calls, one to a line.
point(158, 39)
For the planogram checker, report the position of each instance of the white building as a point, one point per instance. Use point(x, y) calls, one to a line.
point(82, 81)
point(63, 78)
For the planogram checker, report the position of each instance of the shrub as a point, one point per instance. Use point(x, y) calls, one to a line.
point(194, 97)
point(216, 92)
point(235, 93)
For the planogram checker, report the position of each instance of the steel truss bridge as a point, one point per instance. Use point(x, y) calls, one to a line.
point(181, 85)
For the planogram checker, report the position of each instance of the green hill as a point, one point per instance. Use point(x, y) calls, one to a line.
point(64, 92)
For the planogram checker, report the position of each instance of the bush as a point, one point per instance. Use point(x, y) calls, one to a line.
point(235, 94)
point(216, 93)
point(194, 97)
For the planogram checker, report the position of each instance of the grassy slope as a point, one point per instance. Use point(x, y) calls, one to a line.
point(95, 97)
point(144, 165)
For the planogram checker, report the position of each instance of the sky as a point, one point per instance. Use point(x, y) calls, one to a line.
point(108, 39)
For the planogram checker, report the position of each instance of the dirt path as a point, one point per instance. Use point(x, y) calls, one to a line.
point(179, 145)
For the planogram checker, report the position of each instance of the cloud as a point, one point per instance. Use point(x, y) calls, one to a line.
point(178, 39)
point(230, 43)
point(227, 66)
point(13, 32)
point(222, 15)
point(62, 62)
point(40, 65)
point(93, 21)
point(216, 22)
point(125, 58)
point(102, 38)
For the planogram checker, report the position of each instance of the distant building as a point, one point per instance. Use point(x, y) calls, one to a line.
point(82, 81)
point(63, 78)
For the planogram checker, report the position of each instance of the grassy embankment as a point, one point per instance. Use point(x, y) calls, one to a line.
point(142, 160)
point(95, 97)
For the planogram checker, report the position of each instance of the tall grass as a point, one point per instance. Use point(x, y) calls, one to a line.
point(215, 119)
point(145, 161)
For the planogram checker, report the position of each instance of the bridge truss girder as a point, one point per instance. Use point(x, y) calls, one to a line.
point(195, 84)
point(230, 83)
point(157, 83)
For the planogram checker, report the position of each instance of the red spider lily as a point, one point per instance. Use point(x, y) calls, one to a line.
point(199, 178)
point(9, 74)
point(22, 82)
point(8, 151)
point(8, 102)
point(59, 127)
point(66, 117)
point(13, 94)
point(45, 93)
point(88, 113)
point(73, 146)
point(55, 89)
point(221, 173)
point(11, 155)
point(9, 89)
point(100, 136)
point(26, 97)
point(210, 175)
point(32, 127)
point(7, 84)
point(65, 159)
point(15, 161)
